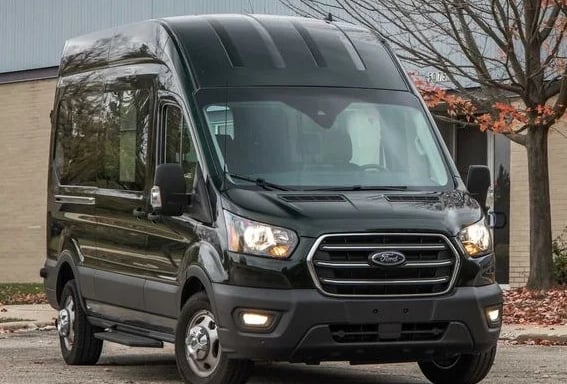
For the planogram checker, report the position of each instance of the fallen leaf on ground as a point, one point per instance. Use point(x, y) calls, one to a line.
point(27, 298)
point(522, 306)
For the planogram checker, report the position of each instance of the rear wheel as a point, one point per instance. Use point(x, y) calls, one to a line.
point(460, 369)
point(76, 334)
point(198, 352)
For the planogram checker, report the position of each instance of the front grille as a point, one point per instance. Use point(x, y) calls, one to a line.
point(371, 333)
point(340, 265)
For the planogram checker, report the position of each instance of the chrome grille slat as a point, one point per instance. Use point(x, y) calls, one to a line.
point(339, 265)
point(359, 264)
point(385, 247)
point(439, 280)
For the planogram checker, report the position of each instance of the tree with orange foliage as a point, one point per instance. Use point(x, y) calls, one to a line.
point(503, 69)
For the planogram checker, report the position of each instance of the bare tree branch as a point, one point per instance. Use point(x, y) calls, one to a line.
point(516, 138)
point(503, 46)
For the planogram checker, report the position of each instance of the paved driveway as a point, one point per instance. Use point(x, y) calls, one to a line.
point(34, 358)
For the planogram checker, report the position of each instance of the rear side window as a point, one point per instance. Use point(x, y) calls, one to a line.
point(78, 119)
point(125, 123)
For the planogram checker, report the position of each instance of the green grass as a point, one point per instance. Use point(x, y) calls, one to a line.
point(11, 320)
point(21, 293)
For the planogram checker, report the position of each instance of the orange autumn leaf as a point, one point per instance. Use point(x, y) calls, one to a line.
point(503, 117)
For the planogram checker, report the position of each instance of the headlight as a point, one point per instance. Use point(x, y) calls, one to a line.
point(476, 239)
point(247, 236)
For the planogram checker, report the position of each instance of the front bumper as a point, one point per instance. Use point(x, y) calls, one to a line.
point(306, 331)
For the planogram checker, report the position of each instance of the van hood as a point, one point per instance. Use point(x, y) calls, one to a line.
point(312, 214)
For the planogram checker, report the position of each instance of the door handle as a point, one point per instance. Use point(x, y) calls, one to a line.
point(138, 213)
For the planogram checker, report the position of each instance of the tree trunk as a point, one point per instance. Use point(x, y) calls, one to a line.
point(541, 259)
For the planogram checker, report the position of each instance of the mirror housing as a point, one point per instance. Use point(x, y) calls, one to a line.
point(478, 182)
point(169, 193)
point(497, 220)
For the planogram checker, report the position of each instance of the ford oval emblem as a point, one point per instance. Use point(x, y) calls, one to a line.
point(387, 259)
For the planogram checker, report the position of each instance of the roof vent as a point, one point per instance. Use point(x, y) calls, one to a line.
point(412, 198)
point(312, 198)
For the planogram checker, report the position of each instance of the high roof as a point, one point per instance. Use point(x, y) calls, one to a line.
point(262, 50)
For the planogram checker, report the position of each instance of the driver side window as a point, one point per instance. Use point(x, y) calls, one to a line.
point(177, 143)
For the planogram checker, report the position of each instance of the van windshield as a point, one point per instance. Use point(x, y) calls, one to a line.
point(323, 138)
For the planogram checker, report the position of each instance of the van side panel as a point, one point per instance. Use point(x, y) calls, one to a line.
point(72, 186)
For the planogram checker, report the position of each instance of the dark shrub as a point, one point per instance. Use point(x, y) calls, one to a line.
point(560, 258)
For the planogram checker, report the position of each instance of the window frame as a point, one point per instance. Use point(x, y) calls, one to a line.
point(128, 83)
point(55, 120)
point(216, 96)
point(170, 99)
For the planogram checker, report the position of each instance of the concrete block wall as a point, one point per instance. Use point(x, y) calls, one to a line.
point(24, 146)
point(558, 176)
point(519, 214)
point(519, 196)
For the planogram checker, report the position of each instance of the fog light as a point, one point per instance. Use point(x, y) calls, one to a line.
point(252, 319)
point(493, 316)
point(256, 320)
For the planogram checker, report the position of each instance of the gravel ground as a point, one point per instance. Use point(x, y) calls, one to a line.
point(34, 358)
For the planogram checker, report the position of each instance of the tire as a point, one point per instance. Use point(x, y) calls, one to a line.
point(202, 362)
point(78, 345)
point(463, 369)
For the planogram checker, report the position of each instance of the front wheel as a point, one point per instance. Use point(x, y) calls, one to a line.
point(76, 334)
point(460, 369)
point(198, 352)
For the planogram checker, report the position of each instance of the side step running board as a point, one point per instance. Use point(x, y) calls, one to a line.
point(128, 339)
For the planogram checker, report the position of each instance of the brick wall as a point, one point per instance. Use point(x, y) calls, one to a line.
point(519, 213)
point(24, 146)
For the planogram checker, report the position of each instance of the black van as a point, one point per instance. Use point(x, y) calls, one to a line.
point(260, 188)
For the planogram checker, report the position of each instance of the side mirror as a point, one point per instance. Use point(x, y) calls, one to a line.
point(497, 220)
point(478, 181)
point(169, 193)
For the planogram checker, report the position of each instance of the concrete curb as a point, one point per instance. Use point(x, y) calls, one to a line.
point(522, 334)
point(40, 316)
point(28, 325)
point(556, 339)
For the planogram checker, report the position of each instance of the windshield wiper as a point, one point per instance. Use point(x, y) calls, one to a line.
point(259, 182)
point(363, 188)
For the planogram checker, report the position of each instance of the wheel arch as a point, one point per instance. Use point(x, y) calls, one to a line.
point(67, 270)
point(64, 274)
point(196, 280)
